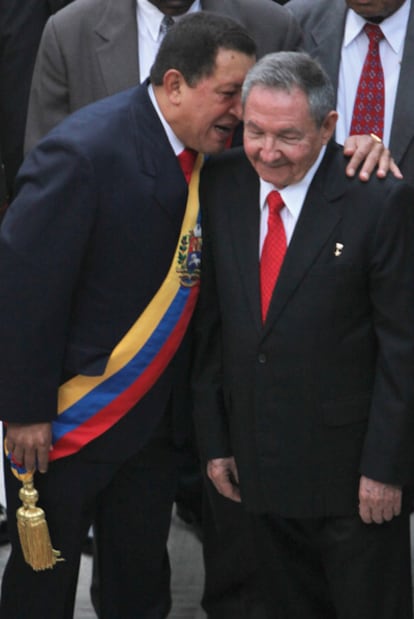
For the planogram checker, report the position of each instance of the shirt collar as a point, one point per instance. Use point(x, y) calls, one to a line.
point(293, 195)
point(393, 27)
point(176, 144)
point(151, 17)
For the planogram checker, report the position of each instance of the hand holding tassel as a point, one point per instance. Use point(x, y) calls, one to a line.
point(31, 520)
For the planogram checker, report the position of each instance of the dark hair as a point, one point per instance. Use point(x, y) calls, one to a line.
point(192, 44)
point(288, 70)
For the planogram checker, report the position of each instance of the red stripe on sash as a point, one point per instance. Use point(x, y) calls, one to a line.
point(115, 410)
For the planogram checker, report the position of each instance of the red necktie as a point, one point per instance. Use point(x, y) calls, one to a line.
point(273, 252)
point(186, 160)
point(368, 114)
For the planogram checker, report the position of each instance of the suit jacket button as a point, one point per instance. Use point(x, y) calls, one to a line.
point(262, 358)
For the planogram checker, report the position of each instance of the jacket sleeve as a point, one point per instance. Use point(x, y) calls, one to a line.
point(43, 242)
point(388, 454)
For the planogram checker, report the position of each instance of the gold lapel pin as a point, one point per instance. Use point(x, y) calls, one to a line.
point(338, 249)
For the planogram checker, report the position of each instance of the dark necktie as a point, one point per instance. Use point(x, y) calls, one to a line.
point(165, 25)
point(186, 160)
point(368, 114)
point(273, 252)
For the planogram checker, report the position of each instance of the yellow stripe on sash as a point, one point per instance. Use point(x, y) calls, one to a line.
point(79, 386)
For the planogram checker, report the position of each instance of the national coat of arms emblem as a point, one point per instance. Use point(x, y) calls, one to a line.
point(189, 257)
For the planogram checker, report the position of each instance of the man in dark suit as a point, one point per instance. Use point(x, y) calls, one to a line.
point(99, 47)
point(21, 26)
point(303, 378)
point(115, 42)
point(85, 249)
point(333, 33)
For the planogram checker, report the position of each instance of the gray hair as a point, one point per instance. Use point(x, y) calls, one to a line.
point(288, 70)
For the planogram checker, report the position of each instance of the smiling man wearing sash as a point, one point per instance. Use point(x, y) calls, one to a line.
point(100, 258)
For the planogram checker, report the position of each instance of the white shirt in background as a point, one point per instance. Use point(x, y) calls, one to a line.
point(354, 51)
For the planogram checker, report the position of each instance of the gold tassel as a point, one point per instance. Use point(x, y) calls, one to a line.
point(34, 532)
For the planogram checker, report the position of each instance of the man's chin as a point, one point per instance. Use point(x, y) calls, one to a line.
point(278, 180)
point(272, 175)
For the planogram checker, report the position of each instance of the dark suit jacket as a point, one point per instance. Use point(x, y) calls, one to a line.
point(90, 51)
point(323, 23)
point(21, 26)
point(3, 186)
point(323, 391)
point(83, 248)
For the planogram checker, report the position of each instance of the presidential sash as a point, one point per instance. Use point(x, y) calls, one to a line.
point(89, 405)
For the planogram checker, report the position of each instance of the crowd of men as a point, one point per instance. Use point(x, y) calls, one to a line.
point(295, 361)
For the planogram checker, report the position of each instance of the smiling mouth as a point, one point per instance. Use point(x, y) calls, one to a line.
point(273, 166)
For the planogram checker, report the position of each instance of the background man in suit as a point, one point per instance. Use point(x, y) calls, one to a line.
point(333, 32)
point(117, 41)
point(303, 389)
point(21, 26)
point(84, 247)
point(99, 47)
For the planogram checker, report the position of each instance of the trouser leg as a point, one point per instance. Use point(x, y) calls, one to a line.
point(336, 568)
point(231, 568)
point(132, 525)
point(368, 567)
point(293, 580)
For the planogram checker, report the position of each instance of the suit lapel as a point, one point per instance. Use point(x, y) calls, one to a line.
point(318, 218)
point(403, 119)
point(244, 226)
point(327, 43)
point(117, 45)
point(169, 186)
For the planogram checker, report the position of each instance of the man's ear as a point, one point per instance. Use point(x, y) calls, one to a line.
point(328, 126)
point(173, 83)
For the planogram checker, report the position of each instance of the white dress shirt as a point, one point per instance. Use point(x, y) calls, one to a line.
point(176, 144)
point(354, 51)
point(293, 196)
point(149, 20)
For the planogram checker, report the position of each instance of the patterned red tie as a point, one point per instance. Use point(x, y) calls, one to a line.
point(273, 252)
point(368, 114)
point(186, 160)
